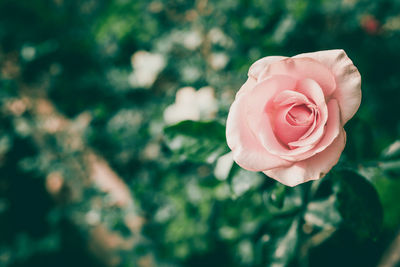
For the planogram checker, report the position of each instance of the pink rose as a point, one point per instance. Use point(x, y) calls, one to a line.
point(287, 119)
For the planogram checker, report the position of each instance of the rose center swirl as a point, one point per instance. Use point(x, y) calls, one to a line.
point(293, 118)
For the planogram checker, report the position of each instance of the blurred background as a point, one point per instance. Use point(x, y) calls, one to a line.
point(94, 170)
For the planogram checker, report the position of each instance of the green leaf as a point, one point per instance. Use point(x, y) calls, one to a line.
point(286, 247)
point(359, 204)
point(277, 195)
point(323, 213)
point(354, 199)
point(200, 142)
point(281, 200)
point(388, 190)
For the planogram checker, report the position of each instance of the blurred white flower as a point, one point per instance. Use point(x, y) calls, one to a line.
point(192, 105)
point(217, 36)
point(192, 40)
point(151, 151)
point(93, 217)
point(146, 67)
point(218, 61)
point(28, 53)
point(190, 73)
point(251, 22)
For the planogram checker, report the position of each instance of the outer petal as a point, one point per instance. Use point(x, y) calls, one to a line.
point(348, 79)
point(247, 150)
point(303, 68)
point(261, 64)
point(247, 86)
point(312, 168)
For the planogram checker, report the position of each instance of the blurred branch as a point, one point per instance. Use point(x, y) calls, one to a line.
point(385, 165)
point(75, 173)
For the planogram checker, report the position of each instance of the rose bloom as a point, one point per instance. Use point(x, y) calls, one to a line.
point(287, 119)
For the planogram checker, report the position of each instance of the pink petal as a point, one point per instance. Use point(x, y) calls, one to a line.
point(311, 90)
point(312, 168)
point(257, 110)
point(348, 79)
point(289, 97)
point(292, 115)
point(265, 92)
point(314, 92)
point(302, 68)
point(272, 144)
point(300, 115)
point(331, 131)
point(247, 150)
point(285, 131)
point(261, 64)
point(247, 86)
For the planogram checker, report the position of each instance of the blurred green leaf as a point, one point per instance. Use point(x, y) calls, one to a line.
point(243, 180)
point(281, 200)
point(323, 213)
point(346, 200)
point(343, 200)
point(359, 140)
point(388, 190)
point(196, 141)
point(286, 247)
point(277, 195)
point(78, 56)
point(392, 151)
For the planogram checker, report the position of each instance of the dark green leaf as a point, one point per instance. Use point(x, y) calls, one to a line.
point(358, 204)
point(346, 200)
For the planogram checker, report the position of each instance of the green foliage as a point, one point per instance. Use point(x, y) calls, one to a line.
point(197, 206)
point(358, 204)
point(196, 141)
